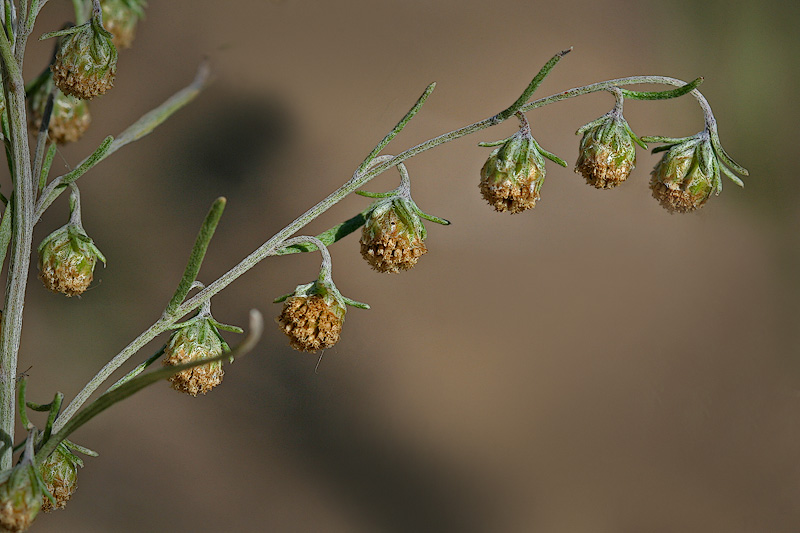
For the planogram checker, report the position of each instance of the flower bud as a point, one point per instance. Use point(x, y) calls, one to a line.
point(686, 175)
point(60, 475)
point(607, 154)
point(198, 339)
point(393, 238)
point(513, 174)
point(66, 260)
point(86, 61)
point(312, 317)
point(69, 118)
point(20, 499)
point(120, 18)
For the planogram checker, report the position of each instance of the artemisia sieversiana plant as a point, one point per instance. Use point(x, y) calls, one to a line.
point(39, 471)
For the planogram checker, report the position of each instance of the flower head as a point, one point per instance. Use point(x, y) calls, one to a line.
point(86, 61)
point(312, 316)
point(20, 498)
point(196, 340)
point(393, 238)
point(687, 174)
point(120, 18)
point(607, 153)
point(60, 475)
point(67, 258)
point(69, 118)
point(513, 174)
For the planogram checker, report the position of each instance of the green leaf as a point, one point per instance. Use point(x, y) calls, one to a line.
point(662, 95)
point(329, 236)
point(198, 253)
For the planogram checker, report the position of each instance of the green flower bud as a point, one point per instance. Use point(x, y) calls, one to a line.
point(66, 260)
point(86, 61)
point(60, 475)
point(70, 117)
point(20, 499)
point(312, 317)
point(120, 18)
point(607, 153)
point(196, 340)
point(513, 174)
point(393, 238)
point(686, 175)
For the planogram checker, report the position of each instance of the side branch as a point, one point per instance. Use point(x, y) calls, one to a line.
point(136, 131)
point(276, 245)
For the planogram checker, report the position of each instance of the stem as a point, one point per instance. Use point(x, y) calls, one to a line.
point(708, 115)
point(137, 344)
point(275, 243)
point(145, 125)
point(41, 139)
point(22, 235)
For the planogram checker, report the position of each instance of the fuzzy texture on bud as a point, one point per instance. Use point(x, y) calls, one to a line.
point(67, 258)
point(86, 61)
point(69, 118)
point(60, 475)
point(513, 175)
point(20, 499)
point(393, 238)
point(686, 175)
point(120, 18)
point(607, 153)
point(312, 316)
point(198, 340)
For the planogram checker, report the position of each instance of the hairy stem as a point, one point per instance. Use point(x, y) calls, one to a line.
point(22, 235)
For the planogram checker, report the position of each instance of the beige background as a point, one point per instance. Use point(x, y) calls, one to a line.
point(596, 365)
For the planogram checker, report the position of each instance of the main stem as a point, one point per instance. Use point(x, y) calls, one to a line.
point(22, 236)
point(358, 180)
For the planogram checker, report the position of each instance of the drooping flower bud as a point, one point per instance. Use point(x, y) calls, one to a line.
point(607, 152)
point(60, 475)
point(67, 258)
point(20, 498)
point(312, 316)
point(69, 118)
point(393, 237)
point(198, 339)
point(86, 61)
point(513, 175)
point(686, 175)
point(120, 18)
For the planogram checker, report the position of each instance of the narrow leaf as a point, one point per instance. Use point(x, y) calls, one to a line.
point(198, 253)
point(329, 236)
point(398, 128)
point(662, 95)
point(532, 86)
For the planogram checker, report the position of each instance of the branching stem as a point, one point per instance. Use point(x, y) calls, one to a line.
point(372, 166)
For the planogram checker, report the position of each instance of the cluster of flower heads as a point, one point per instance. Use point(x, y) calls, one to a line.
point(392, 240)
point(35, 484)
point(682, 181)
point(84, 66)
point(393, 235)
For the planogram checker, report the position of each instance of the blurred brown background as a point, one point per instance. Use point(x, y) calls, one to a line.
point(595, 365)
